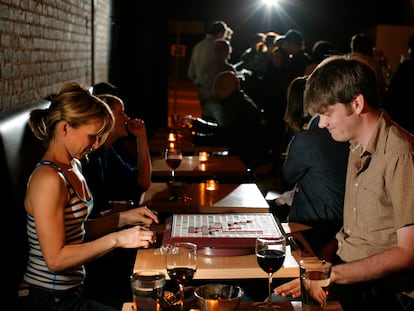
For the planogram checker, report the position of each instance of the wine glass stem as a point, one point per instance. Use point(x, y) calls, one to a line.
point(181, 290)
point(172, 175)
point(269, 296)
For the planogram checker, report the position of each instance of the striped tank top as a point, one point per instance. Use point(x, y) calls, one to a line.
point(37, 272)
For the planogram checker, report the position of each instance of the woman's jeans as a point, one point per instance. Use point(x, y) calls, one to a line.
point(35, 299)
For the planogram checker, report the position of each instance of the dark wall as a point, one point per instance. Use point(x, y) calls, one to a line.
point(139, 60)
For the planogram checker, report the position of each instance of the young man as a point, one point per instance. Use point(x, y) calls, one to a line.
point(375, 270)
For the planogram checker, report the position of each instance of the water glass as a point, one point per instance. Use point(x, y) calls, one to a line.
point(148, 290)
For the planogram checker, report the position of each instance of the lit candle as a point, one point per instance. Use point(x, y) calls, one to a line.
point(171, 137)
point(211, 185)
point(203, 156)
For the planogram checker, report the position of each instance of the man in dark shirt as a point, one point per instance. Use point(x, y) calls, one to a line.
point(242, 128)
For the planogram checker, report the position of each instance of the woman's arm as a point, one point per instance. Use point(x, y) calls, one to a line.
point(46, 198)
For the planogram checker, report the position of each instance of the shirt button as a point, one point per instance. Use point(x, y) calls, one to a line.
point(354, 209)
point(356, 184)
point(348, 232)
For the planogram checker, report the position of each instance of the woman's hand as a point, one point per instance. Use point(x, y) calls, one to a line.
point(135, 237)
point(138, 216)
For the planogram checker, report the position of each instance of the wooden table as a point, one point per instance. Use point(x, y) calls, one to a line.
point(159, 142)
point(218, 267)
point(221, 168)
point(249, 306)
point(230, 267)
point(227, 198)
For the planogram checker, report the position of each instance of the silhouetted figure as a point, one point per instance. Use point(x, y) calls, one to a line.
point(320, 50)
point(242, 129)
point(203, 53)
point(363, 47)
point(294, 44)
point(400, 99)
point(219, 63)
point(361, 43)
point(272, 96)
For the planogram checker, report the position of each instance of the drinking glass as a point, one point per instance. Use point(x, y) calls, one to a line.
point(173, 158)
point(315, 277)
point(270, 254)
point(181, 264)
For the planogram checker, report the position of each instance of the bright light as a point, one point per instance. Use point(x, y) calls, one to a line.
point(272, 3)
point(266, 12)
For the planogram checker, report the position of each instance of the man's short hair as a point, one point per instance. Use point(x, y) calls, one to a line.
point(217, 27)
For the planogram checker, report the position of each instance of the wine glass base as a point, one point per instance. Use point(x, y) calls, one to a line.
point(184, 198)
point(267, 306)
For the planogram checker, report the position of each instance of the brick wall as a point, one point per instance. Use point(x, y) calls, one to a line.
point(102, 48)
point(45, 43)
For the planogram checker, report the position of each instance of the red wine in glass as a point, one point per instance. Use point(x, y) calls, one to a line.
point(181, 264)
point(173, 158)
point(270, 254)
point(181, 275)
point(270, 260)
point(173, 163)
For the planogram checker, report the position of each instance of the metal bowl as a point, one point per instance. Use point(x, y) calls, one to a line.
point(218, 297)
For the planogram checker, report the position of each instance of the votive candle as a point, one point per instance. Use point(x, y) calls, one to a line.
point(203, 156)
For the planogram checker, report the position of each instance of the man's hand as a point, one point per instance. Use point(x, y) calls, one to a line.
point(291, 288)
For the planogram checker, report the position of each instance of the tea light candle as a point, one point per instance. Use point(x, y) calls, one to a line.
point(171, 137)
point(211, 185)
point(203, 156)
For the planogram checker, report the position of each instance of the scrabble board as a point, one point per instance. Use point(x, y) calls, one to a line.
point(221, 234)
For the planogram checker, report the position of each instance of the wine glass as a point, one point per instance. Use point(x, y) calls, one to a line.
point(270, 254)
point(181, 264)
point(173, 157)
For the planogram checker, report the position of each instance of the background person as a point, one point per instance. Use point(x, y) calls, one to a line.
point(400, 95)
point(202, 54)
point(109, 175)
point(316, 165)
point(222, 50)
point(242, 129)
point(112, 177)
point(294, 44)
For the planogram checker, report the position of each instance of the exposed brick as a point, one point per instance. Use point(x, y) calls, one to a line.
point(46, 43)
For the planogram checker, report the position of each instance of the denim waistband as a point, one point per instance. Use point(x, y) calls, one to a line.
point(28, 290)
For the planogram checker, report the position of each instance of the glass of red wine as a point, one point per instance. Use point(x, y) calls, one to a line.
point(181, 264)
point(173, 158)
point(270, 254)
